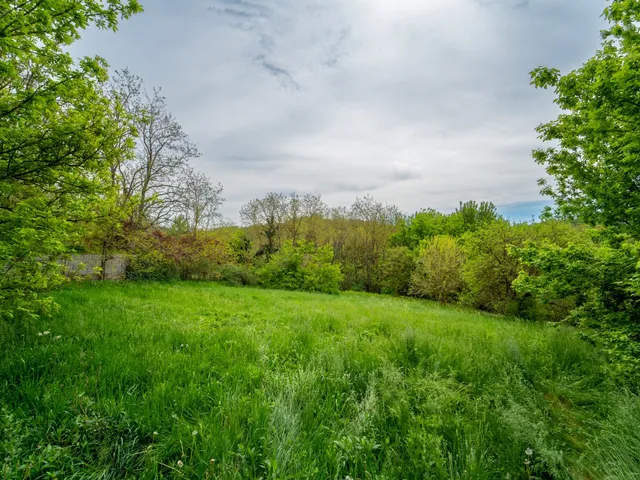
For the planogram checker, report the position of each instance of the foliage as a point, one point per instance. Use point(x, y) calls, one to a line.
point(438, 272)
point(474, 215)
point(236, 275)
point(395, 269)
point(133, 378)
point(492, 267)
point(157, 256)
point(594, 162)
point(240, 247)
point(148, 260)
point(601, 281)
point(428, 223)
point(58, 137)
point(596, 179)
point(268, 215)
point(304, 267)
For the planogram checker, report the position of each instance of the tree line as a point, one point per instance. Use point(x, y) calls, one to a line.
point(99, 163)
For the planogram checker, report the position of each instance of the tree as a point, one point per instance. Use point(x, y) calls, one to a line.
point(375, 223)
point(594, 160)
point(314, 210)
point(438, 272)
point(268, 214)
point(58, 138)
point(162, 153)
point(474, 215)
point(199, 201)
point(294, 217)
point(596, 171)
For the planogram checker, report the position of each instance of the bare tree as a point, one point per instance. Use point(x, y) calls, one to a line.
point(162, 152)
point(199, 201)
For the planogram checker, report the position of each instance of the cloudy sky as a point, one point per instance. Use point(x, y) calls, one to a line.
point(420, 103)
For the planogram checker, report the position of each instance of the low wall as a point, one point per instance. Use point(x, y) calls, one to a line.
point(115, 268)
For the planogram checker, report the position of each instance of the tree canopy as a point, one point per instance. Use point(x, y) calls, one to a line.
point(58, 136)
point(594, 157)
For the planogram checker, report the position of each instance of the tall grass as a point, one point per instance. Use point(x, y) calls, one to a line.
point(191, 380)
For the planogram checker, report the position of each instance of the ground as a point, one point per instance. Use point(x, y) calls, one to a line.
point(198, 380)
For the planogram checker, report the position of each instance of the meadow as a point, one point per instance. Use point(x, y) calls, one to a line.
point(199, 380)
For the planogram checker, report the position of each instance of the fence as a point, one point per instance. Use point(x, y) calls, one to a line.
point(115, 268)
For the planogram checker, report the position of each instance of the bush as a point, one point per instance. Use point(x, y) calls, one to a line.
point(438, 273)
point(236, 275)
point(157, 256)
point(149, 261)
point(303, 267)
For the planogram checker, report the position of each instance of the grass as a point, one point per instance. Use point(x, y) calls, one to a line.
point(195, 380)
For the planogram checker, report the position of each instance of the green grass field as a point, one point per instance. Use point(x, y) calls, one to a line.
point(195, 380)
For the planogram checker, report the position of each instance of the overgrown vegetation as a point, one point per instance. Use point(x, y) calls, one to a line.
point(356, 386)
point(197, 380)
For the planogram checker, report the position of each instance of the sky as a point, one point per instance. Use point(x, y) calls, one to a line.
point(418, 103)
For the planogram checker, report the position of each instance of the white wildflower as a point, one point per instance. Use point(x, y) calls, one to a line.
point(194, 433)
point(529, 452)
point(46, 332)
point(180, 464)
point(39, 334)
point(58, 337)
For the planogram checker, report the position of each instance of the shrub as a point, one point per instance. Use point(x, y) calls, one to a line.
point(236, 275)
point(157, 256)
point(438, 273)
point(303, 267)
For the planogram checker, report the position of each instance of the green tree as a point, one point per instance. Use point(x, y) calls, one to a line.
point(594, 162)
point(596, 140)
point(438, 272)
point(395, 269)
point(58, 138)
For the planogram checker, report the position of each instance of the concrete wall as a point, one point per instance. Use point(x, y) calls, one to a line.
point(115, 268)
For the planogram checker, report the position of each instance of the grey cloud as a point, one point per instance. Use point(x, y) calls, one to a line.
point(284, 76)
point(421, 104)
point(280, 31)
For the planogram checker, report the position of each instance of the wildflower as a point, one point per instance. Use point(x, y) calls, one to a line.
point(180, 464)
point(527, 462)
point(155, 433)
point(39, 334)
point(194, 433)
point(212, 461)
point(529, 452)
point(46, 332)
point(58, 337)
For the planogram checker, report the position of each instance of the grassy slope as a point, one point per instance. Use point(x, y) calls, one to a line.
point(292, 385)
